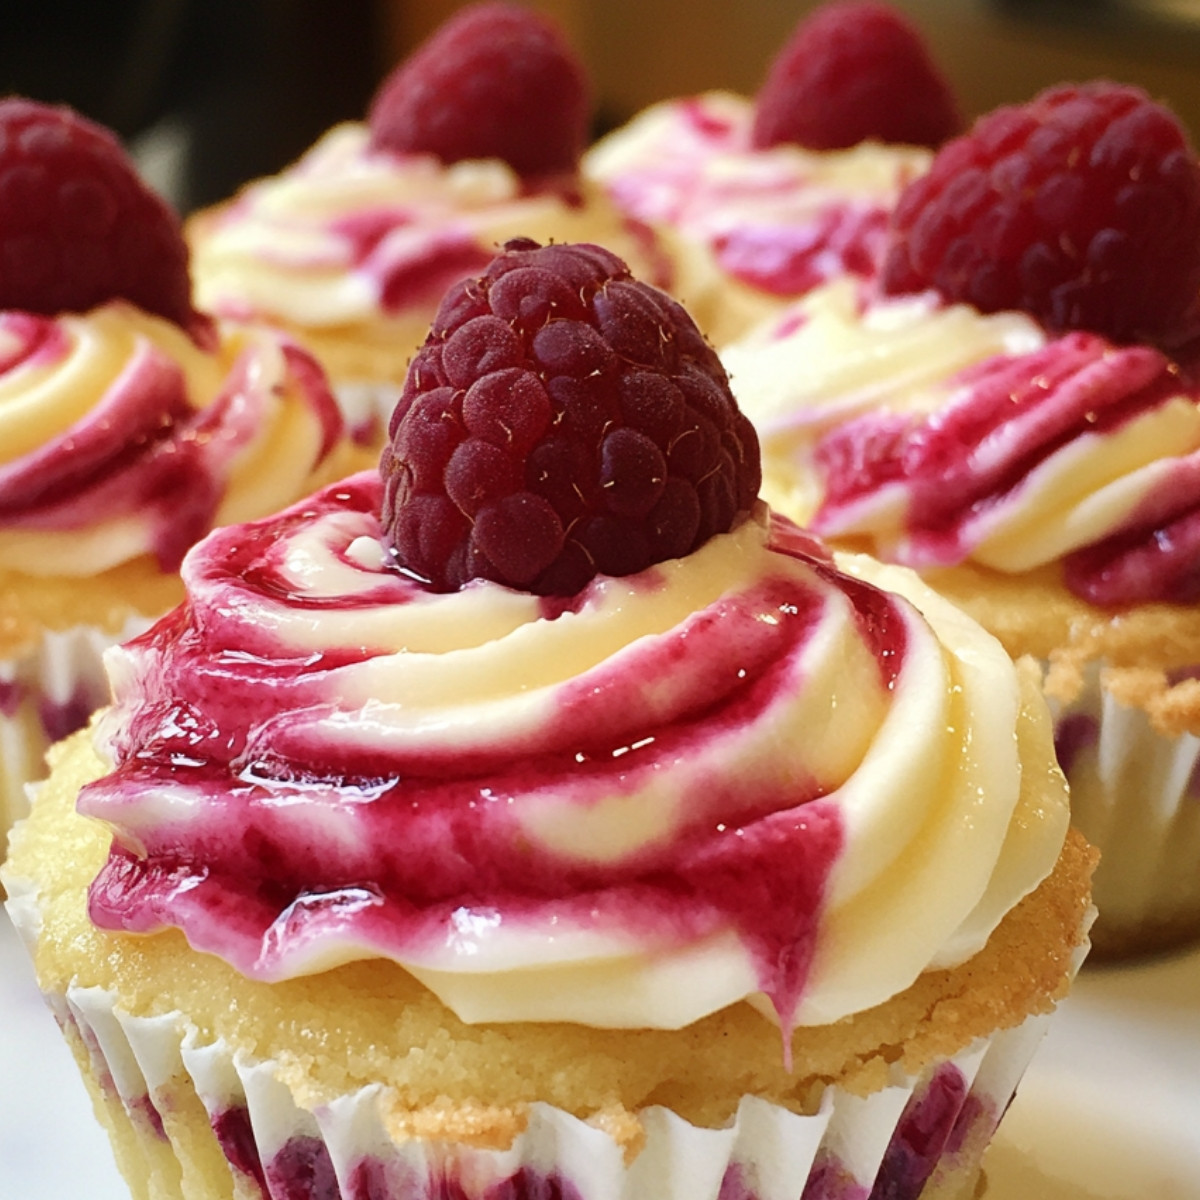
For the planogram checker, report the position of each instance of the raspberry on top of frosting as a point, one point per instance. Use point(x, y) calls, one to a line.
point(1017, 391)
point(562, 420)
point(735, 772)
point(854, 71)
point(495, 81)
point(760, 200)
point(474, 140)
point(1080, 207)
point(77, 226)
point(129, 423)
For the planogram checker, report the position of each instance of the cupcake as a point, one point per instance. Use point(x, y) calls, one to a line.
point(540, 815)
point(1014, 412)
point(129, 424)
point(761, 199)
point(475, 139)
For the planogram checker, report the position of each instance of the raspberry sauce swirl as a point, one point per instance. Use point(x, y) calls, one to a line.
point(122, 436)
point(937, 435)
point(745, 774)
point(351, 238)
point(777, 221)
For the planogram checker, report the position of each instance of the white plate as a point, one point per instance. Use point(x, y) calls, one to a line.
point(1110, 1109)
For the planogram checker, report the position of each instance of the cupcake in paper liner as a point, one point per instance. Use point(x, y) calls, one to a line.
point(423, 857)
point(129, 426)
point(760, 199)
point(473, 140)
point(1035, 455)
point(193, 1117)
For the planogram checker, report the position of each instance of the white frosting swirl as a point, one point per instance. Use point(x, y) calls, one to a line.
point(350, 237)
point(752, 227)
point(740, 775)
point(939, 434)
point(122, 435)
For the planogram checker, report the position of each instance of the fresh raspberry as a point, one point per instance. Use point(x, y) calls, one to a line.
point(496, 81)
point(1081, 207)
point(852, 72)
point(562, 420)
point(77, 225)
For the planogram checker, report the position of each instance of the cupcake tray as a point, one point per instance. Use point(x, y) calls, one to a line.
point(1110, 1109)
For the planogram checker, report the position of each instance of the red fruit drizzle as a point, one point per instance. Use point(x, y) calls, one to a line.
point(1014, 414)
point(261, 882)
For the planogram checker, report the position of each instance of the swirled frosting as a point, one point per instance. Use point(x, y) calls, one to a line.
point(780, 220)
point(121, 435)
point(746, 774)
point(349, 237)
point(938, 435)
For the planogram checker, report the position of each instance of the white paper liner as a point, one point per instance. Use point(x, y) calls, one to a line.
point(1135, 795)
point(152, 1070)
point(57, 684)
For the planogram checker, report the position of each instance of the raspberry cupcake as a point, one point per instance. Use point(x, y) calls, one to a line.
point(539, 815)
point(474, 139)
point(762, 199)
point(129, 424)
point(1016, 413)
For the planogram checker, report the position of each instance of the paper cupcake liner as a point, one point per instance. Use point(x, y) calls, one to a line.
point(45, 694)
point(194, 1120)
point(1135, 795)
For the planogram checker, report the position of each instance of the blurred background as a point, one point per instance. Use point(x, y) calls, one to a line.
point(211, 93)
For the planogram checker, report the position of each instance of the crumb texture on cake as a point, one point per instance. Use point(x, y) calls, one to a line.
point(30, 604)
point(371, 1021)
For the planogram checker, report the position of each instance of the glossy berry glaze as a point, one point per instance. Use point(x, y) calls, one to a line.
point(406, 270)
point(317, 758)
point(122, 434)
point(246, 734)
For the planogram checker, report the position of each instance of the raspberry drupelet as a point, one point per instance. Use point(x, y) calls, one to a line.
point(562, 420)
point(1081, 207)
point(77, 225)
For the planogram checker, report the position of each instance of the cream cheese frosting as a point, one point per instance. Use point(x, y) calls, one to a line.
point(774, 222)
point(122, 435)
point(349, 236)
point(749, 774)
point(938, 435)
